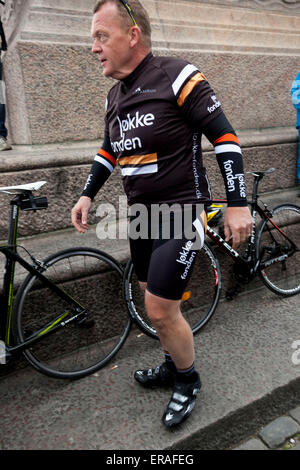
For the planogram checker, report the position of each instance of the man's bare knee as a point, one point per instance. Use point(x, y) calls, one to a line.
point(160, 310)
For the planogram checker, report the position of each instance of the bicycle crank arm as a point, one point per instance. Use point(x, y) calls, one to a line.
point(279, 259)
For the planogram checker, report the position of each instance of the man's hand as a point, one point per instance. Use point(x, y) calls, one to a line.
point(80, 212)
point(237, 225)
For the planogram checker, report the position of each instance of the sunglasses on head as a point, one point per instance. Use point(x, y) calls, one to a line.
point(129, 10)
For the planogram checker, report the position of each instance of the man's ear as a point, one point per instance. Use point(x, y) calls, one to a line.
point(135, 33)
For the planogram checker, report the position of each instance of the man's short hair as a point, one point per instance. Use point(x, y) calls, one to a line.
point(140, 15)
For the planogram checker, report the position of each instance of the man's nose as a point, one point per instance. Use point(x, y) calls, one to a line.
point(96, 47)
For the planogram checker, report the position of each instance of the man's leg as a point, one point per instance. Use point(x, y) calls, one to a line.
point(177, 341)
point(170, 267)
point(3, 131)
point(174, 332)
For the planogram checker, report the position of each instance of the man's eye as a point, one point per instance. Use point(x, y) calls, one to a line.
point(101, 37)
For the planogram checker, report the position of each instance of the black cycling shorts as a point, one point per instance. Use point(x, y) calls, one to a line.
point(165, 252)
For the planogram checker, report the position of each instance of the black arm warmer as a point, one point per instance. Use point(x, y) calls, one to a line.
point(229, 156)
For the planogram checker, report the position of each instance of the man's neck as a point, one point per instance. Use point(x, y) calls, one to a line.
point(137, 59)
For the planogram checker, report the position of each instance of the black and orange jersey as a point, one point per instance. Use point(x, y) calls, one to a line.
point(154, 123)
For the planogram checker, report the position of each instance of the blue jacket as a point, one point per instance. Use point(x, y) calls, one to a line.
point(295, 93)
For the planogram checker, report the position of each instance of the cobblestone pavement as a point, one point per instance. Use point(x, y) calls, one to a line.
point(283, 433)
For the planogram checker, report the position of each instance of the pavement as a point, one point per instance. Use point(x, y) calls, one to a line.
point(248, 358)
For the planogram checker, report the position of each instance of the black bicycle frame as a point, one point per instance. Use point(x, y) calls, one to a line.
point(10, 252)
point(249, 261)
point(8, 282)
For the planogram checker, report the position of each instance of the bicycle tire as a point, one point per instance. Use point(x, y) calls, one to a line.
point(206, 272)
point(281, 277)
point(75, 350)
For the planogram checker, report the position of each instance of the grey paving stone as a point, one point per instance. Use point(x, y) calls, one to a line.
point(297, 447)
point(252, 444)
point(276, 432)
point(295, 413)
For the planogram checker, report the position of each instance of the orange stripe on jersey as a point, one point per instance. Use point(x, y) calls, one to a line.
point(108, 156)
point(138, 159)
point(199, 77)
point(227, 138)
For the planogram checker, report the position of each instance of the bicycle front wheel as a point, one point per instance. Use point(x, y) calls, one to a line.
point(78, 348)
point(198, 302)
point(277, 248)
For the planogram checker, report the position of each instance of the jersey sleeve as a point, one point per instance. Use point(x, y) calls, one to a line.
point(102, 167)
point(202, 110)
point(195, 97)
point(229, 157)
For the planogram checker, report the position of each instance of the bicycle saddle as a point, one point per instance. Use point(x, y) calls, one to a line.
point(23, 188)
point(262, 173)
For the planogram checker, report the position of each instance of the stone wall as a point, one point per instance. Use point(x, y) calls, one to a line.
point(56, 92)
point(249, 51)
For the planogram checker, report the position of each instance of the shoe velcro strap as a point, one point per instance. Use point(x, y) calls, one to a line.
point(175, 406)
point(179, 397)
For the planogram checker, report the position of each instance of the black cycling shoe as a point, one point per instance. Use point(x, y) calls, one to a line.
point(182, 402)
point(160, 376)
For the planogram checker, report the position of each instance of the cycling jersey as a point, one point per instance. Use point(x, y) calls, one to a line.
point(154, 121)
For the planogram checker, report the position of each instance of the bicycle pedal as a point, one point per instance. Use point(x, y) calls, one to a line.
point(86, 323)
point(229, 295)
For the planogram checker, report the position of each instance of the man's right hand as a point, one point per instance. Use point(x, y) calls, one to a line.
point(80, 212)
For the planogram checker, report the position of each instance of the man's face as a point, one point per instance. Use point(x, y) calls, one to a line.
point(111, 42)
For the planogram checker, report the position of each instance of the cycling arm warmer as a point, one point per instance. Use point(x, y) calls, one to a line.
point(229, 156)
point(103, 165)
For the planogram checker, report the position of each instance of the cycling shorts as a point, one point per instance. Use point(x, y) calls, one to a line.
point(165, 252)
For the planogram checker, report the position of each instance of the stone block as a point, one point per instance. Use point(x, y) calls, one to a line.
point(65, 168)
point(56, 91)
point(278, 431)
point(63, 90)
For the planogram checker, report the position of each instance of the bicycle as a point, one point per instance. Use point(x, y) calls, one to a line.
point(272, 252)
point(57, 321)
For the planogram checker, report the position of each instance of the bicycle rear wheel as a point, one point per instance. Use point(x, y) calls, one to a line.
point(200, 299)
point(77, 349)
point(278, 250)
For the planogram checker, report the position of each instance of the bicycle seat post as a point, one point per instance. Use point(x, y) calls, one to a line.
point(257, 179)
point(258, 176)
point(13, 221)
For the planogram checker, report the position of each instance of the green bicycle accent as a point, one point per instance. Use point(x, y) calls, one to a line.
point(54, 324)
point(14, 236)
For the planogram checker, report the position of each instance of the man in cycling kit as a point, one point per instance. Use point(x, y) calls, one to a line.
point(156, 114)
